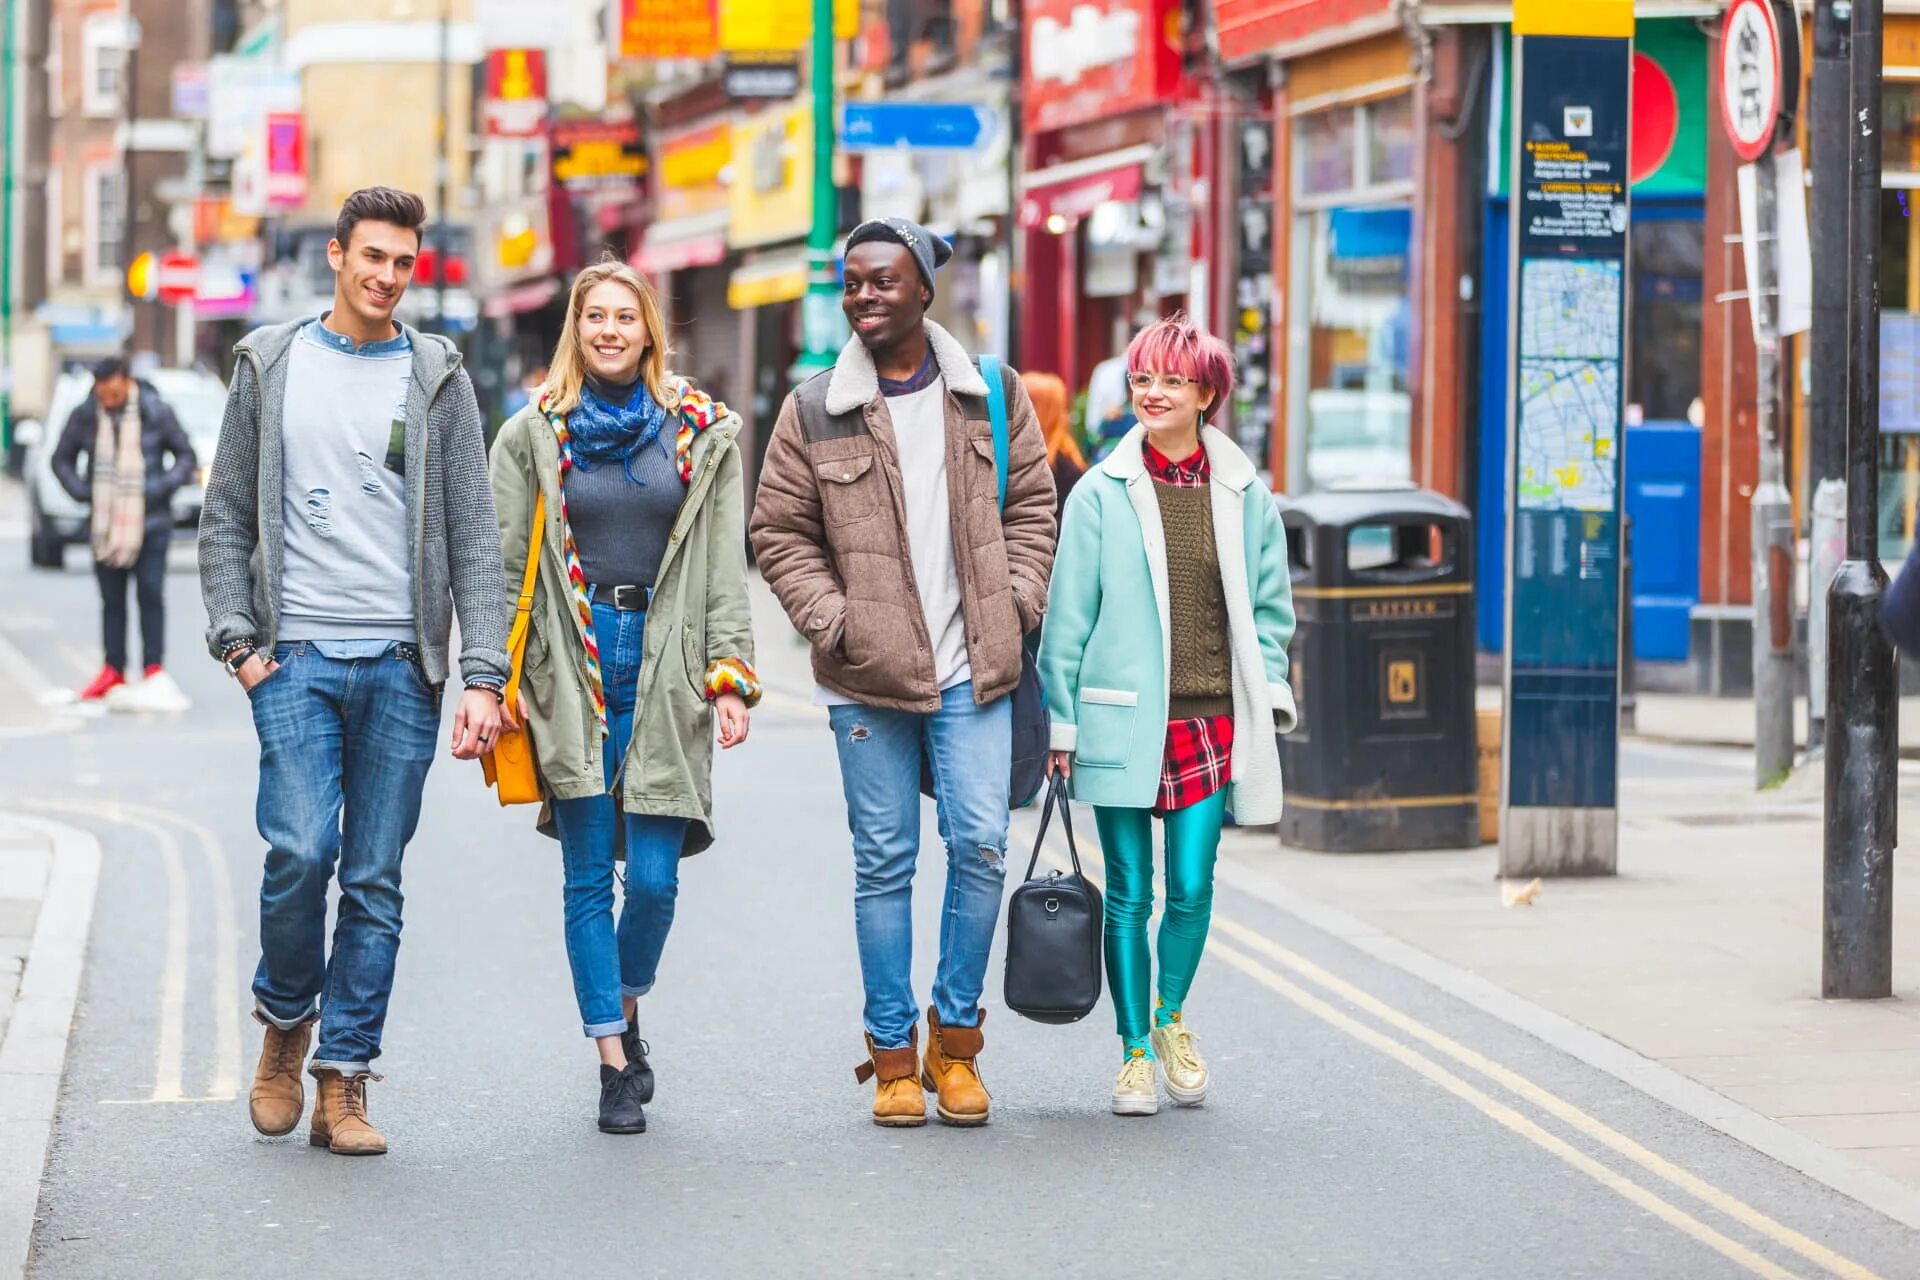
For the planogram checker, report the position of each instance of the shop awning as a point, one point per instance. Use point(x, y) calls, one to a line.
point(514, 299)
point(676, 245)
point(767, 279)
point(1075, 189)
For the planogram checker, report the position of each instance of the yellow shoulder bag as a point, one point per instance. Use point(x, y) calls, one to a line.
point(509, 766)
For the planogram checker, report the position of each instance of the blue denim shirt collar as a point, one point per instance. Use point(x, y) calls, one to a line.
point(318, 332)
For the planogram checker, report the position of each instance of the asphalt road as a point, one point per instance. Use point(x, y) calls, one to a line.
point(1362, 1123)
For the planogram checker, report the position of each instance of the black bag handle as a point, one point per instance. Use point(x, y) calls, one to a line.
point(1056, 794)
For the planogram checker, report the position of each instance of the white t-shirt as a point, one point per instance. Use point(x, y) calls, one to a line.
point(920, 430)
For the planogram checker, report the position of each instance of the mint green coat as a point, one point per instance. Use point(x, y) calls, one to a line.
point(1104, 653)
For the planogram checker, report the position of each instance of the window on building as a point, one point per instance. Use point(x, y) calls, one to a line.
point(1664, 372)
point(105, 221)
point(103, 63)
point(1350, 405)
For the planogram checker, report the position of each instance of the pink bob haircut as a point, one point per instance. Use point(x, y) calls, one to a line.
point(1177, 345)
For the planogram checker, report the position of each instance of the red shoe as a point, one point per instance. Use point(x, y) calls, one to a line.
point(106, 682)
point(154, 670)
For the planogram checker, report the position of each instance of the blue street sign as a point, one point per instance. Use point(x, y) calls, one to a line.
point(921, 126)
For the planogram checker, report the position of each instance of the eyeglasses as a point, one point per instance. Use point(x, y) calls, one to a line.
point(1172, 382)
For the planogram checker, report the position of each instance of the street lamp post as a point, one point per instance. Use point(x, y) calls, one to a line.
point(822, 300)
point(1863, 717)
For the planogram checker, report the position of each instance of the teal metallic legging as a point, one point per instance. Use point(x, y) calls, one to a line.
point(1126, 845)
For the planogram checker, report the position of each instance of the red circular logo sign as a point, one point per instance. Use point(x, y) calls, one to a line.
point(1750, 76)
point(1656, 118)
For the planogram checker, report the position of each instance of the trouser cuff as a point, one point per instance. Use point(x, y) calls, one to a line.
point(595, 1030)
point(344, 1068)
point(265, 1014)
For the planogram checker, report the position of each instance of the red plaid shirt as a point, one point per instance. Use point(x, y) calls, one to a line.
point(1198, 751)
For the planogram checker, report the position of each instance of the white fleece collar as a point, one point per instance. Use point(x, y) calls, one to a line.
point(1229, 465)
point(855, 383)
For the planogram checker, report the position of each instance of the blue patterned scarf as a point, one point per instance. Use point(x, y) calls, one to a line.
point(600, 432)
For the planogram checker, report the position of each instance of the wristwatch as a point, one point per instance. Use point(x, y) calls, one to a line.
point(238, 658)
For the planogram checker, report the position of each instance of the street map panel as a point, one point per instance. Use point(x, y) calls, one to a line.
point(1569, 384)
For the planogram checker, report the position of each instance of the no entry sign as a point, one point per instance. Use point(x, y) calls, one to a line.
point(1758, 64)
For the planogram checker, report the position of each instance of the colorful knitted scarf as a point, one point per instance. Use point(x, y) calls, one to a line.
point(696, 411)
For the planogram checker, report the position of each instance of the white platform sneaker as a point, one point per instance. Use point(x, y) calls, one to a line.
point(1136, 1091)
point(1180, 1059)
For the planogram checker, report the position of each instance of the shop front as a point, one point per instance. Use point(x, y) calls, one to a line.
point(770, 208)
point(684, 252)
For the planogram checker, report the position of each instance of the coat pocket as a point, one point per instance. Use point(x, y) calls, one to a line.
point(1106, 726)
point(849, 492)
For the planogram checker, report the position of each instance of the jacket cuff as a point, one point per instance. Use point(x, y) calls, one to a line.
point(1285, 714)
point(229, 631)
point(733, 675)
point(1062, 736)
point(479, 664)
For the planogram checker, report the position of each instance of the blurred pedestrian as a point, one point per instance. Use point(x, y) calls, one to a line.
point(1181, 728)
point(525, 391)
point(348, 518)
point(637, 474)
point(1064, 455)
point(1109, 408)
point(136, 458)
point(915, 612)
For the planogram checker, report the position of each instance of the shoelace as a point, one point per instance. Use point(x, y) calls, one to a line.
point(1138, 1074)
point(627, 1084)
point(1180, 1042)
point(287, 1055)
point(353, 1096)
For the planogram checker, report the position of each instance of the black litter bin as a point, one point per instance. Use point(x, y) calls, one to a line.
point(1383, 671)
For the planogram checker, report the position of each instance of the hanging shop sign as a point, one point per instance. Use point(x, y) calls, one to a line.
point(762, 77)
point(191, 91)
point(597, 155)
point(1568, 334)
point(1759, 74)
point(286, 160)
point(516, 101)
point(771, 195)
point(653, 29)
point(1090, 61)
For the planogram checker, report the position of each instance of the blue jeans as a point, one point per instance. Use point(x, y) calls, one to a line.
point(608, 963)
point(970, 751)
point(344, 750)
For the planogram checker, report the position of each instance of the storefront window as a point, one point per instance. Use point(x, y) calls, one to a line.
point(1358, 406)
point(1326, 152)
point(1899, 320)
point(1390, 140)
point(1664, 372)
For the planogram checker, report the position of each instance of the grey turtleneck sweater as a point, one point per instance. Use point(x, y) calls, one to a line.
point(621, 527)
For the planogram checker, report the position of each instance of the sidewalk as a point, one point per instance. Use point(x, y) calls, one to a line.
point(1702, 955)
point(1728, 722)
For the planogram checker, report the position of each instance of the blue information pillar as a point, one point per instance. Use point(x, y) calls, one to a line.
point(1568, 307)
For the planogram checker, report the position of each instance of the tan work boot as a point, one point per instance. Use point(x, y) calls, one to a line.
point(950, 1073)
point(278, 1095)
point(898, 1102)
point(340, 1115)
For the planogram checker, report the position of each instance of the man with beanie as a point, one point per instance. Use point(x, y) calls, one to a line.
point(915, 607)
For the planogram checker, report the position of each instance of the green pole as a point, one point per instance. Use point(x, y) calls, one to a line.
point(6, 241)
point(821, 305)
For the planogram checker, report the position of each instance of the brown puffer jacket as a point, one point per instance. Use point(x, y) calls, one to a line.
point(829, 529)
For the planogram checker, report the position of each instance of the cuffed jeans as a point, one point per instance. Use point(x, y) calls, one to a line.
point(970, 751)
point(149, 575)
point(610, 963)
point(345, 744)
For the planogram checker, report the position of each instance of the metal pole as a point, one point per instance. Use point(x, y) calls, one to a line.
point(1629, 702)
point(441, 175)
point(1772, 511)
point(823, 294)
point(1856, 961)
point(11, 148)
point(1827, 392)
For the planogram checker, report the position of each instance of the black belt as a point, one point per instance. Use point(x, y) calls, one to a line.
point(627, 599)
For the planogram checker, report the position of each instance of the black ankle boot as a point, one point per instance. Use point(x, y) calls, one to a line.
point(620, 1103)
point(637, 1051)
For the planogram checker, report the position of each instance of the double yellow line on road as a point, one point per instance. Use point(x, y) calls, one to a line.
point(1245, 940)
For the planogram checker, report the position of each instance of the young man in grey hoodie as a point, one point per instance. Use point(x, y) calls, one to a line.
point(348, 517)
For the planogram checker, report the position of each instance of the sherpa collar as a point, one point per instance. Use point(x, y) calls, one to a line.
point(856, 383)
point(1230, 466)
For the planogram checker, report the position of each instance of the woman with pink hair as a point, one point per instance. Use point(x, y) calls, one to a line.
point(1166, 676)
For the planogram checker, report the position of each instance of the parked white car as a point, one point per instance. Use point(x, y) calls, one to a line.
point(55, 520)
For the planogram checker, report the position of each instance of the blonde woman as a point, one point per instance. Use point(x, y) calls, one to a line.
point(638, 480)
point(1064, 455)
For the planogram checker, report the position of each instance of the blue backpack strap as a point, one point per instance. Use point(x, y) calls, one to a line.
point(997, 415)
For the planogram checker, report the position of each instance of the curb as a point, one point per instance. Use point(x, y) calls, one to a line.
point(1744, 1125)
point(34, 1054)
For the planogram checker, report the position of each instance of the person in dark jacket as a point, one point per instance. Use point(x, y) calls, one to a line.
point(136, 458)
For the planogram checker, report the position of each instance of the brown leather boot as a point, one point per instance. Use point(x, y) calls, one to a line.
point(898, 1102)
point(340, 1115)
point(278, 1095)
point(950, 1072)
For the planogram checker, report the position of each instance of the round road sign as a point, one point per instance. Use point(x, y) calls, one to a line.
point(1750, 70)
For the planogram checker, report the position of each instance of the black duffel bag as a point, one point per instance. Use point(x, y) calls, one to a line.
point(1053, 933)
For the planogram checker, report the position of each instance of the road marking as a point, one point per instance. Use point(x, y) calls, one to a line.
point(170, 1052)
point(1711, 1195)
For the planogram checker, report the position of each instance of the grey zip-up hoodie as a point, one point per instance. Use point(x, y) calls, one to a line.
point(452, 535)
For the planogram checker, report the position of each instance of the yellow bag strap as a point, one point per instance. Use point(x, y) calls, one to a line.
point(517, 638)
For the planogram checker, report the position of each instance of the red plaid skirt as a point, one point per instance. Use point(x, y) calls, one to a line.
point(1195, 764)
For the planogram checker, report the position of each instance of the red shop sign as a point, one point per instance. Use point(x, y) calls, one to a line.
point(1090, 59)
point(1075, 198)
point(1249, 28)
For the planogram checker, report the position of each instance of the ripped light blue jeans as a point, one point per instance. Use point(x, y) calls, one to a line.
point(970, 752)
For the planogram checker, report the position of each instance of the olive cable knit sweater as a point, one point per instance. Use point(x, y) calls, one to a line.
point(1201, 681)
